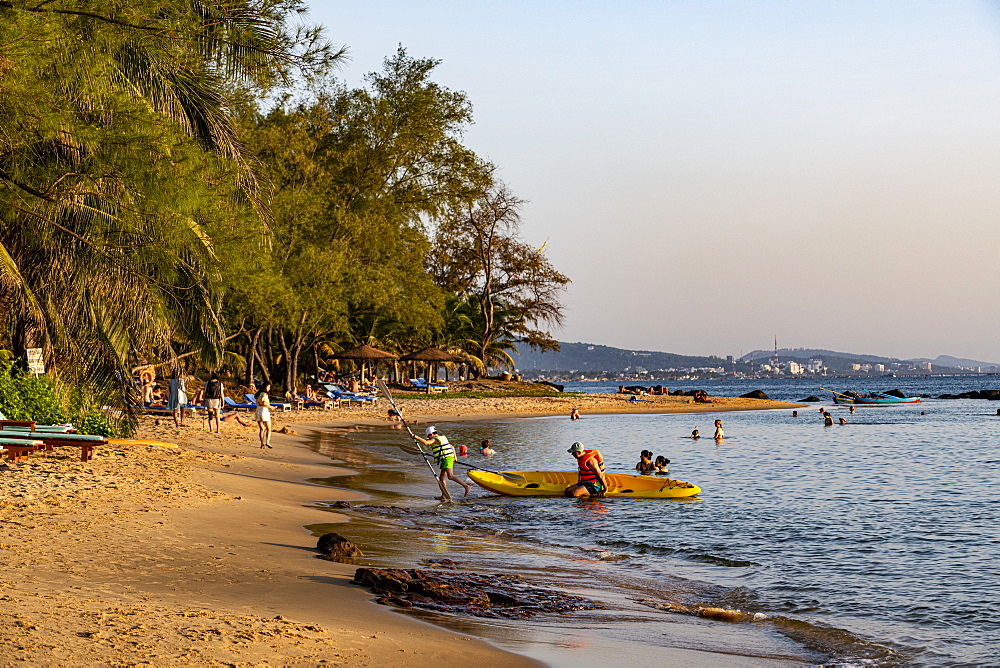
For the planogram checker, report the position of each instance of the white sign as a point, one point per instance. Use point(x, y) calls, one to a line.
point(36, 363)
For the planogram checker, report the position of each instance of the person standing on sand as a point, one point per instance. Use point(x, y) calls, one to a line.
point(263, 415)
point(592, 482)
point(213, 392)
point(177, 397)
point(444, 453)
point(719, 434)
point(574, 414)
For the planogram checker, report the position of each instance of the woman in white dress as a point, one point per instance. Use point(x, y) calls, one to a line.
point(263, 415)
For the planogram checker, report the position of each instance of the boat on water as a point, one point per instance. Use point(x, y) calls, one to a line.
point(873, 399)
point(553, 483)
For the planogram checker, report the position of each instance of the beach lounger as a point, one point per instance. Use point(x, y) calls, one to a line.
point(422, 384)
point(17, 449)
point(85, 442)
point(235, 406)
point(25, 425)
point(4, 423)
point(325, 404)
point(280, 405)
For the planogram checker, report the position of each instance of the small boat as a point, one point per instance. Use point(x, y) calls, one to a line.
point(553, 483)
point(873, 399)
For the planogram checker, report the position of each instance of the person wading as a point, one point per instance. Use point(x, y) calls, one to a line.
point(444, 453)
point(592, 479)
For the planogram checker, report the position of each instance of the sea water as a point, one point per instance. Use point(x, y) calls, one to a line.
point(874, 542)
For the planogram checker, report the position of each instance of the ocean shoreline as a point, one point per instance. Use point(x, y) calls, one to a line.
point(199, 554)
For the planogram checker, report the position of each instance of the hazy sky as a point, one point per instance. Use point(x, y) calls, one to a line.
point(714, 174)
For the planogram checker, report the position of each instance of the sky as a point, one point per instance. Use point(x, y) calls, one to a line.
point(712, 175)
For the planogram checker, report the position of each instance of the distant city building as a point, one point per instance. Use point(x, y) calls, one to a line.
point(795, 368)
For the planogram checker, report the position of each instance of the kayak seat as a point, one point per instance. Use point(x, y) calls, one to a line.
point(627, 491)
point(533, 485)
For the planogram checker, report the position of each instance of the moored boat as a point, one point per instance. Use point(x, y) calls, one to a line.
point(873, 399)
point(553, 483)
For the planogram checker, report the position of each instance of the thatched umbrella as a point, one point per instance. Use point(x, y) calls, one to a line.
point(431, 354)
point(365, 354)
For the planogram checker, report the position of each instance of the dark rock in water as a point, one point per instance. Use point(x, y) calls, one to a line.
point(756, 394)
point(480, 595)
point(992, 395)
point(678, 393)
point(552, 385)
point(335, 545)
point(925, 396)
point(341, 504)
point(896, 393)
point(810, 399)
point(948, 396)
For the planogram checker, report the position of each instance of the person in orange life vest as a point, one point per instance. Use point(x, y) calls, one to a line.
point(592, 479)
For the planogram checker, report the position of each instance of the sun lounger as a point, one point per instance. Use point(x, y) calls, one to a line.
point(325, 404)
point(25, 425)
point(280, 405)
point(232, 404)
point(85, 442)
point(422, 384)
point(338, 391)
point(17, 449)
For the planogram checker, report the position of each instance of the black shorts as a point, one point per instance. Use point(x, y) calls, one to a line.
point(593, 487)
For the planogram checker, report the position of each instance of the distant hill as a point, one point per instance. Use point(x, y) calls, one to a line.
point(948, 360)
point(592, 358)
point(588, 357)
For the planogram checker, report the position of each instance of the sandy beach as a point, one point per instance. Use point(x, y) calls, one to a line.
point(198, 555)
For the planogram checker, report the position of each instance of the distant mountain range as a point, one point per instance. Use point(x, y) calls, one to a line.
point(816, 353)
point(593, 358)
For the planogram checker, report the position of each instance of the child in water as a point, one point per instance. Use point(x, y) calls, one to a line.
point(661, 465)
point(486, 449)
point(645, 465)
point(719, 434)
point(695, 434)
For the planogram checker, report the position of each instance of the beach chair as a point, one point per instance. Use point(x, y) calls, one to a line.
point(85, 442)
point(31, 425)
point(17, 449)
point(280, 405)
point(235, 406)
point(337, 393)
point(422, 384)
point(325, 404)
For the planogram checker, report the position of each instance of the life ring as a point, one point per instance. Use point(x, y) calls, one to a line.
point(147, 376)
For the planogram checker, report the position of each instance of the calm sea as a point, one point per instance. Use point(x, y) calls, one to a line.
point(871, 543)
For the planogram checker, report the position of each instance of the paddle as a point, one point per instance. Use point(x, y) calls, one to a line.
point(444, 489)
point(513, 477)
point(843, 395)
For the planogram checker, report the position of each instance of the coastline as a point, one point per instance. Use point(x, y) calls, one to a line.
point(200, 553)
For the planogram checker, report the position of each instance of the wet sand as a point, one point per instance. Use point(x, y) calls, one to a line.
point(198, 554)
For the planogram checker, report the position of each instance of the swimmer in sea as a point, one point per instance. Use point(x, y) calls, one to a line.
point(697, 434)
point(719, 434)
point(574, 414)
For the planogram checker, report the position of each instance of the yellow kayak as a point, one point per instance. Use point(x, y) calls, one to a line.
point(552, 483)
